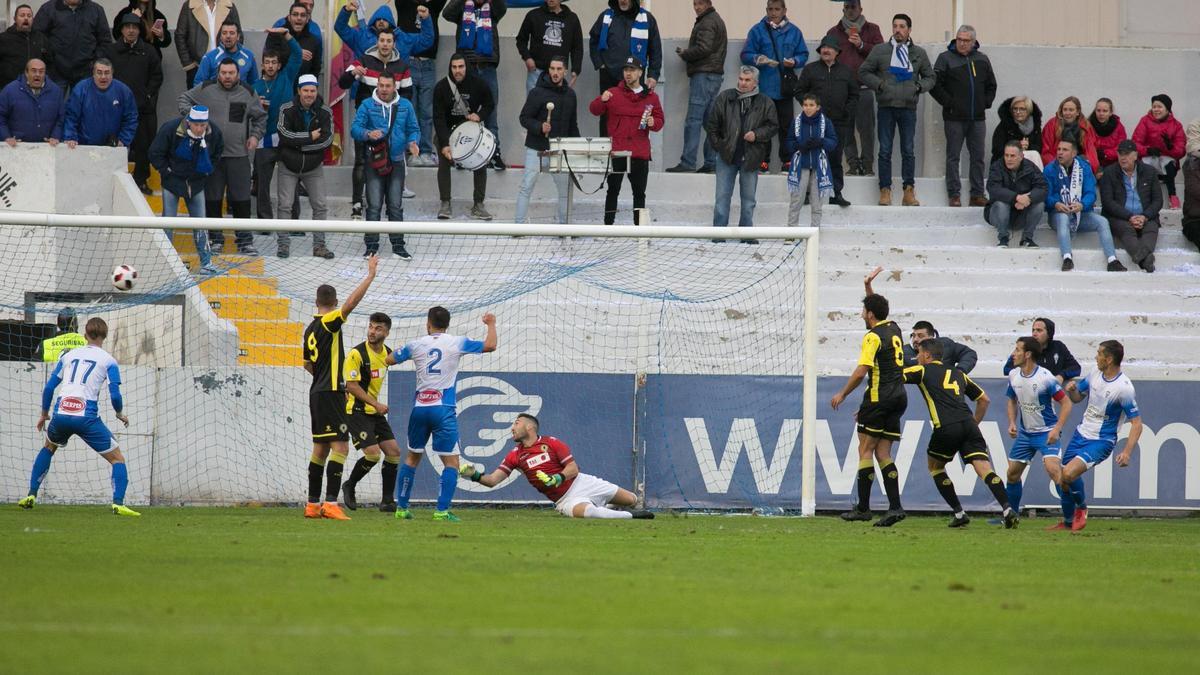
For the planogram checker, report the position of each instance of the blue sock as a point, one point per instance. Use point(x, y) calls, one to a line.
point(404, 483)
point(1068, 505)
point(1015, 489)
point(41, 466)
point(1079, 492)
point(448, 483)
point(120, 480)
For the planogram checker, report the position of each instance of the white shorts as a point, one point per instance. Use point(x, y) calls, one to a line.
point(586, 489)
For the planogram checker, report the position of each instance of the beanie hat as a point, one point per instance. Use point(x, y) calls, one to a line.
point(198, 113)
point(1163, 99)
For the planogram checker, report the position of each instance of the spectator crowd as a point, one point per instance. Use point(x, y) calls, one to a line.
point(255, 125)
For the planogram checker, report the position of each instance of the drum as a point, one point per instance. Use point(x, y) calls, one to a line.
point(472, 146)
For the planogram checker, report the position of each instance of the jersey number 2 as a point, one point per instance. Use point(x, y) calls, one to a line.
point(437, 358)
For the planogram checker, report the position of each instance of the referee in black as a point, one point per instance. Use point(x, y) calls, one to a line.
point(323, 358)
point(955, 431)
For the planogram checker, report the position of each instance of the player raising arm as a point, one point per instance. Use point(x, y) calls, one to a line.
point(83, 372)
point(435, 358)
point(1110, 396)
point(550, 468)
point(955, 430)
point(323, 358)
point(883, 404)
point(1032, 391)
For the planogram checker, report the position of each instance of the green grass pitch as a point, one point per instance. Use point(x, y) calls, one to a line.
point(222, 590)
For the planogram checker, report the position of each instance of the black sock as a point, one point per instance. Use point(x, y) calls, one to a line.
point(866, 476)
point(997, 487)
point(314, 482)
point(361, 468)
point(945, 488)
point(388, 473)
point(333, 478)
point(891, 485)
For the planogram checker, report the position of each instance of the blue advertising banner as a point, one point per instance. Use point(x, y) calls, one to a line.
point(591, 413)
point(730, 442)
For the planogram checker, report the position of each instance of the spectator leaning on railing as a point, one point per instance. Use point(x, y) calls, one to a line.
point(32, 109)
point(197, 29)
point(101, 110)
point(185, 152)
point(76, 32)
point(19, 44)
point(966, 88)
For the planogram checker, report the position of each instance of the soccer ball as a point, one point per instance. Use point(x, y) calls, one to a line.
point(123, 277)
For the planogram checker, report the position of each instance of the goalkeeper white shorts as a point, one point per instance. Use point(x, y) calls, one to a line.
point(586, 489)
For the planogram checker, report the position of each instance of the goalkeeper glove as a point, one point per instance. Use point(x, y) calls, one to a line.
point(550, 481)
point(469, 472)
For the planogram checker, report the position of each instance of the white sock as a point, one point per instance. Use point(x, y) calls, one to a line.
point(1112, 258)
point(1067, 256)
point(601, 512)
point(960, 514)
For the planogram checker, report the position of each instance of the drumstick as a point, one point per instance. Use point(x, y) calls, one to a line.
point(549, 111)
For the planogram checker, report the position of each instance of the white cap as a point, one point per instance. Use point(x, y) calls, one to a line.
point(307, 81)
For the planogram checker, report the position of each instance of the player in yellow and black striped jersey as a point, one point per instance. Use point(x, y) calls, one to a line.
point(955, 430)
point(323, 358)
point(881, 364)
point(365, 369)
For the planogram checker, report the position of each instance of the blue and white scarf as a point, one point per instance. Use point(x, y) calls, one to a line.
point(476, 34)
point(901, 67)
point(820, 163)
point(639, 36)
point(1070, 189)
point(183, 151)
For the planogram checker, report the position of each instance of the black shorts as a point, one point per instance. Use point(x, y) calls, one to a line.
point(882, 419)
point(962, 438)
point(367, 430)
point(328, 412)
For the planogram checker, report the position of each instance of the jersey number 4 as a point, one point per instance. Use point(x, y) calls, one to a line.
point(951, 385)
point(86, 373)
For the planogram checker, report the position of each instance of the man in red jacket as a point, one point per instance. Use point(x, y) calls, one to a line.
point(856, 38)
point(633, 111)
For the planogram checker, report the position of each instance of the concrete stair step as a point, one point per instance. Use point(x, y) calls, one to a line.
point(269, 332)
point(239, 285)
point(269, 355)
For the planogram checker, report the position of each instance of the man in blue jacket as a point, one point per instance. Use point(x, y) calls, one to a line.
point(776, 47)
point(362, 37)
point(184, 151)
point(32, 108)
point(386, 123)
point(101, 111)
point(274, 88)
point(228, 47)
point(1070, 203)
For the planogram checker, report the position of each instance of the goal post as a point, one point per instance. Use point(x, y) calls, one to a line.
point(584, 310)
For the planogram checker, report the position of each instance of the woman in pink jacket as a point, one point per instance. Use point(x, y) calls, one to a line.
point(1161, 143)
point(1109, 132)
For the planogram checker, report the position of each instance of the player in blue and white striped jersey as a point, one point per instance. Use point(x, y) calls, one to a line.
point(435, 357)
point(1110, 397)
point(1032, 421)
point(83, 373)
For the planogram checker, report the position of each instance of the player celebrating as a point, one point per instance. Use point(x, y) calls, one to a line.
point(883, 404)
point(550, 468)
point(1110, 395)
point(323, 358)
point(368, 423)
point(82, 372)
point(955, 431)
point(435, 357)
point(1032, 391)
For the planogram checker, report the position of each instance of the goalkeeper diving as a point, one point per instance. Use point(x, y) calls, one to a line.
point(550, 468)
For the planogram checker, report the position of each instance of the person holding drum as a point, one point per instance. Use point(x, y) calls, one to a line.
point(633, 111)
point(460, 104)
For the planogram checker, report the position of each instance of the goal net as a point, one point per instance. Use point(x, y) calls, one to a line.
point(671, 364)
